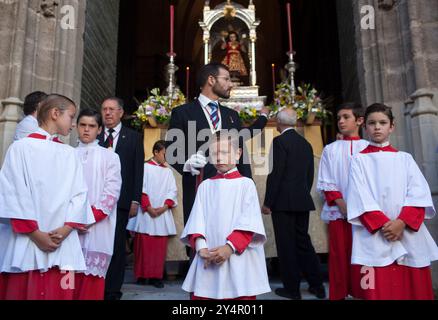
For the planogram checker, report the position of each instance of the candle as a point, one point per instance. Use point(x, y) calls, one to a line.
point(171, 28)
point(273, 78)
point(289, 25)
point(187, 82)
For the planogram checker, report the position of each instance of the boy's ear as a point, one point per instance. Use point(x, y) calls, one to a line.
point(360, 121)
point(99, 130)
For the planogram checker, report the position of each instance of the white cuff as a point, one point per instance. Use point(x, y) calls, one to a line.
point(231, 245)
point(201, 243)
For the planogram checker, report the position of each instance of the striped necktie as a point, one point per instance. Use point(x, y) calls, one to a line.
point(109, 140)
point(214, 114)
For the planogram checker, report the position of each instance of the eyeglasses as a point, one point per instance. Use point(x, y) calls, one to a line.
point(227, 79)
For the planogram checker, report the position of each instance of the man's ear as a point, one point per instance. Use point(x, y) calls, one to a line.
point(211, 80)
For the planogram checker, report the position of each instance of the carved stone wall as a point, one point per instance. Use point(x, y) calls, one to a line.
point(38, 51)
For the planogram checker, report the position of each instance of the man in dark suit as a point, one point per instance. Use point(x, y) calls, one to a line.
point(208, 115)
point(128, 145)
point(289, 201)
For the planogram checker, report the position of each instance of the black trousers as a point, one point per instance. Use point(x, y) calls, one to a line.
point(116, 271)
point(295, 251)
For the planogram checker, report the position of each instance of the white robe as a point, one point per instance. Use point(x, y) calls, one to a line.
point(102, 174)
point(160, 185)
point(221, 207)
point(25, 127)
point(42, 180)
point(387, 182)
point(333, 172)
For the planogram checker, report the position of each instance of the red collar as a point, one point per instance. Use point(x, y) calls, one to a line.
point(156, 164)
point(351, 138)
point(43, 137)
point(233, 175)
point(372, 149)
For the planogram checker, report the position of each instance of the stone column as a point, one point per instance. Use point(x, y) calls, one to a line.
point(41, 49)
point(424, 123)
point(9, 117)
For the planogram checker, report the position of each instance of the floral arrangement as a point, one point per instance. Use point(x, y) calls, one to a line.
point(247, 114)
point(307, 103)
point(157, 108)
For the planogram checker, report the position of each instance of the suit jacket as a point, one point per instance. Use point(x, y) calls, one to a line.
point(289, 184)
point(180, 120)
point(130, 150)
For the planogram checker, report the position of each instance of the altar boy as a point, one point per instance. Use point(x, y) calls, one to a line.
point(332, 183)
point(388, 200)
point(102, 174)
point(226, 229)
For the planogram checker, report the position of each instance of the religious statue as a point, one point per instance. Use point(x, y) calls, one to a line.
point(233, 58)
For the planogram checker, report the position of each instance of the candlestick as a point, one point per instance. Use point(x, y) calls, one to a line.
point(187, 83)
point(172, 15)
point(291, 67)
point(273, 79)
point(289, 25)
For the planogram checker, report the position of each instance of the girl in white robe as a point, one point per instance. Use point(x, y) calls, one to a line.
point(154, 222)
point(388, 199)
point(43, 199)
point(102, 175)
point(226, 228)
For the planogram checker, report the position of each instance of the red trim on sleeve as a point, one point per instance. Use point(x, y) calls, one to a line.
point(24, 226)
point(240, 240)
point(374, 220)
point(74, 225)
point(56, 139)
point(145, 202)
point(192, 239)
point(99, 215)
point(332, 196)
point(413, 217)
point(170, 203)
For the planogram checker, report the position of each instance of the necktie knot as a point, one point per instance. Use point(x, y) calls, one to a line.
point(213, 105)
point(108, 143)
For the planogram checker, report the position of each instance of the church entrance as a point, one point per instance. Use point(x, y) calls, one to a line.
point(144, 42)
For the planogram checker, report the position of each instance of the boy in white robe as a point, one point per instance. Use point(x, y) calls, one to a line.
point(332, 183)
point(388, 199)
point(43, 201)
point(154, 222)
point(225, 228)
point(102, 174)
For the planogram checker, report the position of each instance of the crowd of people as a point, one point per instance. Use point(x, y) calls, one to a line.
point(65, 212)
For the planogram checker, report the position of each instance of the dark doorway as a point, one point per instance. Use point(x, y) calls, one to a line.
point(144, 42)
